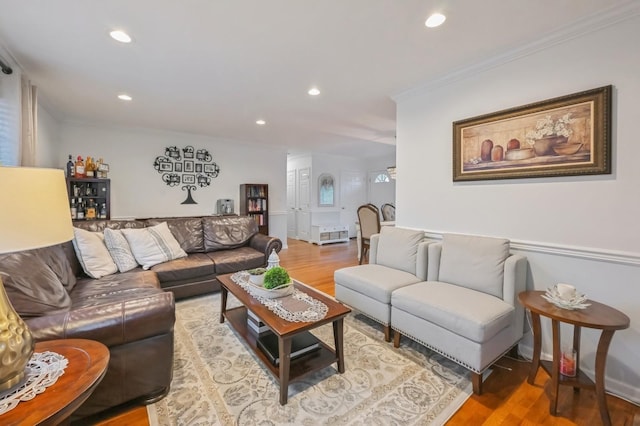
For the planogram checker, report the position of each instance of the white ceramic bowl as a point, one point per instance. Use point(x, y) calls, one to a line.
point(256, 279)
point(271, 293)
point(519, 154)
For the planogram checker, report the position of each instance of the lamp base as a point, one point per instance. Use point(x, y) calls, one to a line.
point(12, 381)
point(16, 344)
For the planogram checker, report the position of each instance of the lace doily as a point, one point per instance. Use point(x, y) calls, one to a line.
point(297, 307)
point(43, 370)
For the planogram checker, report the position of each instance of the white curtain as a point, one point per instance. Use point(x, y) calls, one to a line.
point(29, 123)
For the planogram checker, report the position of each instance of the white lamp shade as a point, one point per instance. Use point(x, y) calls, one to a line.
point(34, 208)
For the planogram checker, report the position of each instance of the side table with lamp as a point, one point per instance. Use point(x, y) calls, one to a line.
point(589, 314)
point(35, 214)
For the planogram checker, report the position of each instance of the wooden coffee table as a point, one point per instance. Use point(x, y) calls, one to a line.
point(287, 369)
point(87, 365)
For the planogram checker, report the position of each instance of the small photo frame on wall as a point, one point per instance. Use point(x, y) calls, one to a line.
point(177, 168)
point(188, 151)
point(199, 168)
point(188, 178)
point(188, 166)
point(166, 167)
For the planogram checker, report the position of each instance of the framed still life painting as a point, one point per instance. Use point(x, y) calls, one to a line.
point(569, 135)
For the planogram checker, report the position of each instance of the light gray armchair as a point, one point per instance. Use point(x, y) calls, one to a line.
point(397, 257)
point(467, 309)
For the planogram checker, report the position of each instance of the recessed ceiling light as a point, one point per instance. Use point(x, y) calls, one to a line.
point(314, 91)
point(121, 36)
point(435, 20)
point(124, 97)
point(261, 122)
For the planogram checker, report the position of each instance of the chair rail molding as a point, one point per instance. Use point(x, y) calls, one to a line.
point(586, 253)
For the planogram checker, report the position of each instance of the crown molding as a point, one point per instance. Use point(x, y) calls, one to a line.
point(590, 24)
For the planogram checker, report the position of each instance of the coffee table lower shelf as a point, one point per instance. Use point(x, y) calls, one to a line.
point(302, 366)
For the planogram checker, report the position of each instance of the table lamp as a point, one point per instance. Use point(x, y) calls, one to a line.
point(34, 213)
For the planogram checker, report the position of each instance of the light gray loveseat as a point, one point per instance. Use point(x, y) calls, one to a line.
point(465, 309)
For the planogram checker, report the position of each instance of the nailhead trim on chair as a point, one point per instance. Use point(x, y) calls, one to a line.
point(370, 317)
point(457, 361)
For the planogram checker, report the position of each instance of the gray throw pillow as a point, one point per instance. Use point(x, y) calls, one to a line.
point(119, 250)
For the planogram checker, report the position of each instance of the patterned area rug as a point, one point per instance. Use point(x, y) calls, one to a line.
point(217, 380)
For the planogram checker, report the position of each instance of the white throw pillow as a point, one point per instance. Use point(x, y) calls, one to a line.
point(153, 245)
point(119, 250)
point(93, 254)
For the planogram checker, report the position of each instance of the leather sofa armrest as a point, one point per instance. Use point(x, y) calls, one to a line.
point(265, 244)
point(112, 324)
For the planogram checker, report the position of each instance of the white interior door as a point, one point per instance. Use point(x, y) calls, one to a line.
point(291, 204)
point(353, 193)
point(303, 208)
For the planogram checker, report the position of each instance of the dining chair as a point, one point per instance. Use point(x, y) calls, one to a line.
point(388, 211)
point(369, 219)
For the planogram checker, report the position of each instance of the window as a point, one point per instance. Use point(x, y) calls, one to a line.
point(382, 178)
point(9, 120)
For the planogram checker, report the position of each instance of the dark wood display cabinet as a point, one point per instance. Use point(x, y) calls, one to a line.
point(89, 198)
point(254, 202)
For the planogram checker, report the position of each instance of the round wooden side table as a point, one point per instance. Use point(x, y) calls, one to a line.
point(87, 365)
point(597, 316)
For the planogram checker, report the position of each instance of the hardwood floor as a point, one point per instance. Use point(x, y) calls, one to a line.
point(507, 399)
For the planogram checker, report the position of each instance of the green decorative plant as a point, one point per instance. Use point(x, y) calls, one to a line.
point(275, 277)
point(257, 271)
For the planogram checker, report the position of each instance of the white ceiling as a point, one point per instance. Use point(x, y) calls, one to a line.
point(213, 67)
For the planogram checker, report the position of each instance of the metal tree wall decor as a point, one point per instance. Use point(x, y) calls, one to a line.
point(187, 167)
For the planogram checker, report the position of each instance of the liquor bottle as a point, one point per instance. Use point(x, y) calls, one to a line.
point(74, 209)
point(96, 167)
point(79, 168)
point(89, 170)
point(103, 211)
point(90, 212)
point(80, 209)
point(70, 167)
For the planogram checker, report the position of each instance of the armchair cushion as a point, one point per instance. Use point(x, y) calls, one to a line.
point(398, 247)
point(374, 281)
point(474, 262)
point(471, 314)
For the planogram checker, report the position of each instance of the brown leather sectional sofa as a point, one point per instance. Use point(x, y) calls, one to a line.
point(132, 313)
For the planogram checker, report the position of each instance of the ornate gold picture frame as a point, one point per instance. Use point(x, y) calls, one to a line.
point(569, 135)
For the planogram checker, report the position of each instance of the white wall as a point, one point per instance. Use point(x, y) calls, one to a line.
point(48, 140)
point(137, 189)
point(580, 230)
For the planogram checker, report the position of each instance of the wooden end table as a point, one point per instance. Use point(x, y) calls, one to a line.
point(287, 369)
point(87, 366)
point(597, 316)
